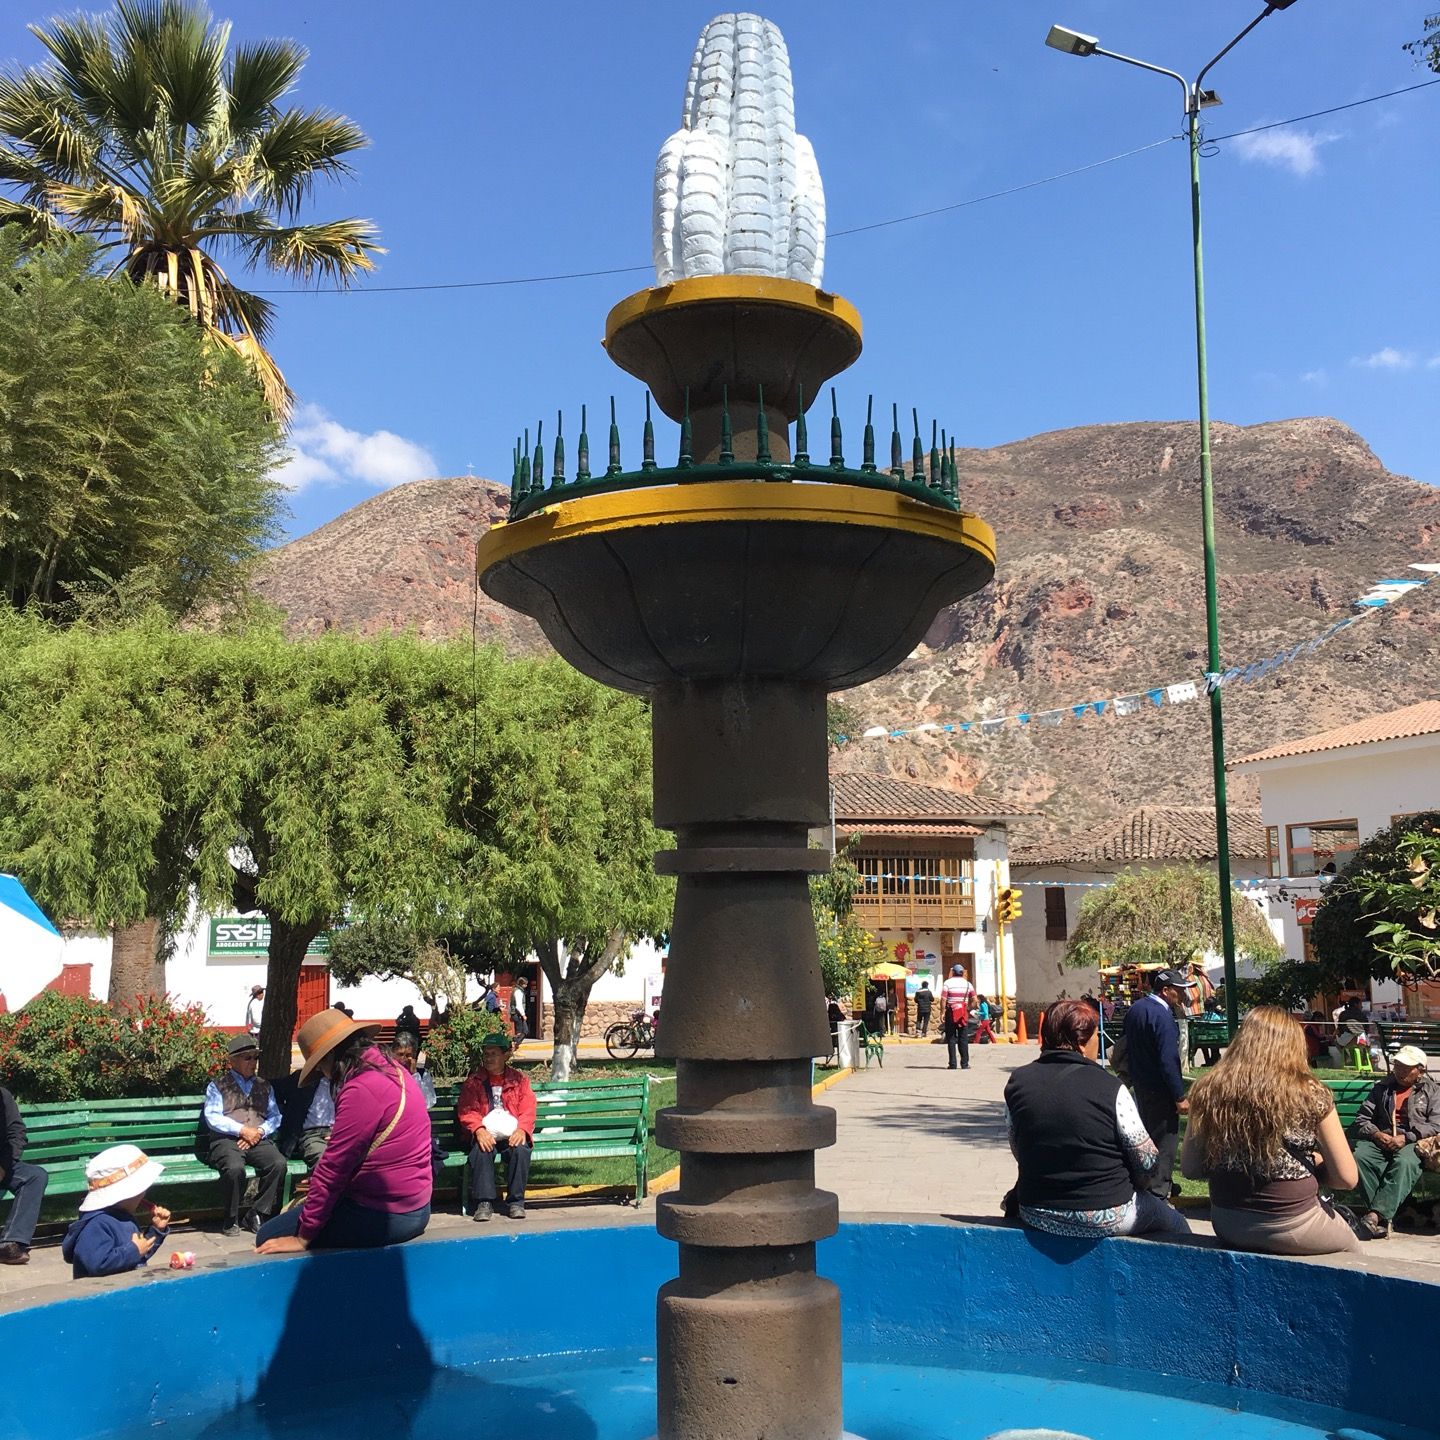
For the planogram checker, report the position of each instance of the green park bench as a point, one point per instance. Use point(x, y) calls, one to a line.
point(872, 1045)
point(1424, 1033)
point(64, 1134)
point(574, 1120)
point(1207, 1034)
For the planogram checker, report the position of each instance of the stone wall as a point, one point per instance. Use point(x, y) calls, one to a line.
point(599, 1016)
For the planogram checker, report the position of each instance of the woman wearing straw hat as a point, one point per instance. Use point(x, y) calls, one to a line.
point(372, 1185)
point(107, 1238)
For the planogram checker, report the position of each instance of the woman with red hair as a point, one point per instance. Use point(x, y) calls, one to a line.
point(1079, 1140)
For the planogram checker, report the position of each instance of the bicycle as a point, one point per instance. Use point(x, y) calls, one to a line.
point(627, 1038)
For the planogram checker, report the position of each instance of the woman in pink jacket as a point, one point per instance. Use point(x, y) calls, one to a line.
point(372, 1185)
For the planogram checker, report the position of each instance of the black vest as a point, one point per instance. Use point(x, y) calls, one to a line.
point(1062, 1113)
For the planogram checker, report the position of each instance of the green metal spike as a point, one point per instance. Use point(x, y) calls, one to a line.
point(687, 459)
point(917, 452)
point(537, 475)
point(525, 464)
point(762, 430)
point(837, 453)
point(954, 476)
point(802, 434)
point(936, 479)
point(515, 495)
point(897, 464)
point(647, 447)
point(582, 452)
point(613, 468)
point(727, 438)
point(867, 461)
point(559, 475)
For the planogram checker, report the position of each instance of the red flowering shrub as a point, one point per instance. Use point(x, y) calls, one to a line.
point(69, 1047)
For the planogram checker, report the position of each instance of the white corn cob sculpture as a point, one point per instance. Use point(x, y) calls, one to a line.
point(737, 191)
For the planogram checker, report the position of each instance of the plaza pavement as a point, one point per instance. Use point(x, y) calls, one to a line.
point(916, 1142)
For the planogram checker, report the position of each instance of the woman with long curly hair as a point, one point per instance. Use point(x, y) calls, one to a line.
point(1263, 1131)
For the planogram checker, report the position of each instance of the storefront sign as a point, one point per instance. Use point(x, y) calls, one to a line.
point(234, 936)
point(1305, 908)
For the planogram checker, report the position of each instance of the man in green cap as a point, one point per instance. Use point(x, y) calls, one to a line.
point(497, 1110)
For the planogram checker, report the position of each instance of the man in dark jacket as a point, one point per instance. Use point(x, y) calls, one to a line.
point(1403, 1108)
point(1152, 1056)
point(25, 1182)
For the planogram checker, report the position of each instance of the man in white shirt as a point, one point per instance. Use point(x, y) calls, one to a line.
point(239, 1117)
point(255, 1009)
point(957, 995)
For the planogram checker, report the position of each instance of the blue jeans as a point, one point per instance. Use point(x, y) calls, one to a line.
point(352, 1227)
point(27, 1184)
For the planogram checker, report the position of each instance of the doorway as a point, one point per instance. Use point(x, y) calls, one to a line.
point(314, 992)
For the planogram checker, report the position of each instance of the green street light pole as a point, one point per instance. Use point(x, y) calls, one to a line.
point(1071, 42)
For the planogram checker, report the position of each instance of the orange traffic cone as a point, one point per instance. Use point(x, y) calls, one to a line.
point(1022, 1036)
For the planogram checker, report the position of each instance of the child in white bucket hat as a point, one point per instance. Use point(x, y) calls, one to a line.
point(107, 1238)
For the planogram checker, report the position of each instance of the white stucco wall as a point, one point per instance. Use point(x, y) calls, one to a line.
point(1370, 784)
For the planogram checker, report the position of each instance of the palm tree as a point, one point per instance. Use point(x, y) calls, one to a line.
point(147, 130)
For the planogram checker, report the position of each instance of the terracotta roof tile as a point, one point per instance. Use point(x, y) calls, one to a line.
point(1421, 719)
point(881, 797)
point(1155, 832)
point(908, 827)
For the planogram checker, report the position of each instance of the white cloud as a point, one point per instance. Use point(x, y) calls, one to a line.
point(323, 451)
point(1297, 151)
point(1433, 363)
point(1313, 377)
point(1386, 358)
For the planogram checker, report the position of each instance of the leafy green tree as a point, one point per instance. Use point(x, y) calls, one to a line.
point(148, 129)
point(1378, 917)
point(562, 838)
point(848, 951)
point(135, 461)
point(1167, 916)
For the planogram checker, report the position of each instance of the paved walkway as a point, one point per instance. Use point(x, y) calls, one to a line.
point(916, 1141)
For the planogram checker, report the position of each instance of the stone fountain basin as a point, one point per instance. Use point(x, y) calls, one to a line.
point(383, 1342)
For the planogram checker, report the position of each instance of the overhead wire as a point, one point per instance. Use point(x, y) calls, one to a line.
point(858, 229)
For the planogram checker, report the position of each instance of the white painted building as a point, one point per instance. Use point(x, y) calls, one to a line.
point(931, 862)
point(1321, 796)
point(1054, 880)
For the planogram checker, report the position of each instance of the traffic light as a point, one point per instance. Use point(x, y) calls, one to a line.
point(1007, 906)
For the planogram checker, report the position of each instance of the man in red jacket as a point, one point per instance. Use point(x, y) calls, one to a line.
point(497, 1109)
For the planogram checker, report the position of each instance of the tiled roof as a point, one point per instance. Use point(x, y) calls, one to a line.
point(1421, 719)
point(881, 797)
point(908, 827)
point(1155, 832)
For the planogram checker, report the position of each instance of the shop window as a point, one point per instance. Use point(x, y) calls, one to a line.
point(1057, 926)
point(1272, 851)
point(1322, 847)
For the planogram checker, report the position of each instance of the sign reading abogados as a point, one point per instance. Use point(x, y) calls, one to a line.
point(238, 935)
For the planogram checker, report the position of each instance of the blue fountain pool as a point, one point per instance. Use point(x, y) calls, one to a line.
point(951, 1333)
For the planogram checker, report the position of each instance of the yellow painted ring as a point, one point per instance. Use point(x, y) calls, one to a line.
point(731, 501)
point(704, 289)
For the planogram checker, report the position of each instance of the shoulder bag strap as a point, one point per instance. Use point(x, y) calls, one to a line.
point(389, 1130)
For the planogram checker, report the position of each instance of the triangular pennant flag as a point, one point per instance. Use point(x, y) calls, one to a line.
point(1155, 696)
point(1023, 717)
point(1078, 710)
point(1049, 717)
point(965, 726)
point(1100, 706)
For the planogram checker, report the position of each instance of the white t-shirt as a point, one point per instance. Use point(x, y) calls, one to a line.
point(957, 992)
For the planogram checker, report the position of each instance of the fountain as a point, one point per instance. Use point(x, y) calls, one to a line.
point(734, 587)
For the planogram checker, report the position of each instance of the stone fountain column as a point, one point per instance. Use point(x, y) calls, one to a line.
point(735, 591)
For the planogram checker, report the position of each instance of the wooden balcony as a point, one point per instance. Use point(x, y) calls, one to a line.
point(916, 912)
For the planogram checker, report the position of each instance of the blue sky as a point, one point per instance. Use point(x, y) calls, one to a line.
point(514, 141)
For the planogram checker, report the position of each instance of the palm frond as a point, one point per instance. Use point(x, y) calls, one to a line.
point(278, 394)
point(336, 250)
point(260, 76)
point(39, 223)
point(297, 149)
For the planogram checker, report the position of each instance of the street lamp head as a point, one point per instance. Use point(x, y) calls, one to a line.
point(1072, 42)
point(1208, 99)
point(1280, 4)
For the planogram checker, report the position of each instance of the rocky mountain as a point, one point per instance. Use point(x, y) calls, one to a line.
point(1099, 592)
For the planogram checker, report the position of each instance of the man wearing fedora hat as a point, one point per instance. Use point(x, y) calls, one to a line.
point(240, 1116)
point(496, 1110)
point(1403, 1108)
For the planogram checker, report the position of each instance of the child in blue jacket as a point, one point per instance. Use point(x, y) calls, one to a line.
point(107, 1238)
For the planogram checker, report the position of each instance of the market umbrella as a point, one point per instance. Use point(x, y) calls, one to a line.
point(886, 970)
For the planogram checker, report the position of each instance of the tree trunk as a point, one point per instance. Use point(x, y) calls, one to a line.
point(570, 989)
point(288, 944)
point(136, 971)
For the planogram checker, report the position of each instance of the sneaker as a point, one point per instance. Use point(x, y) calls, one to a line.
point(484, 1210)
point(13, 1253)
point(516, 1209)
